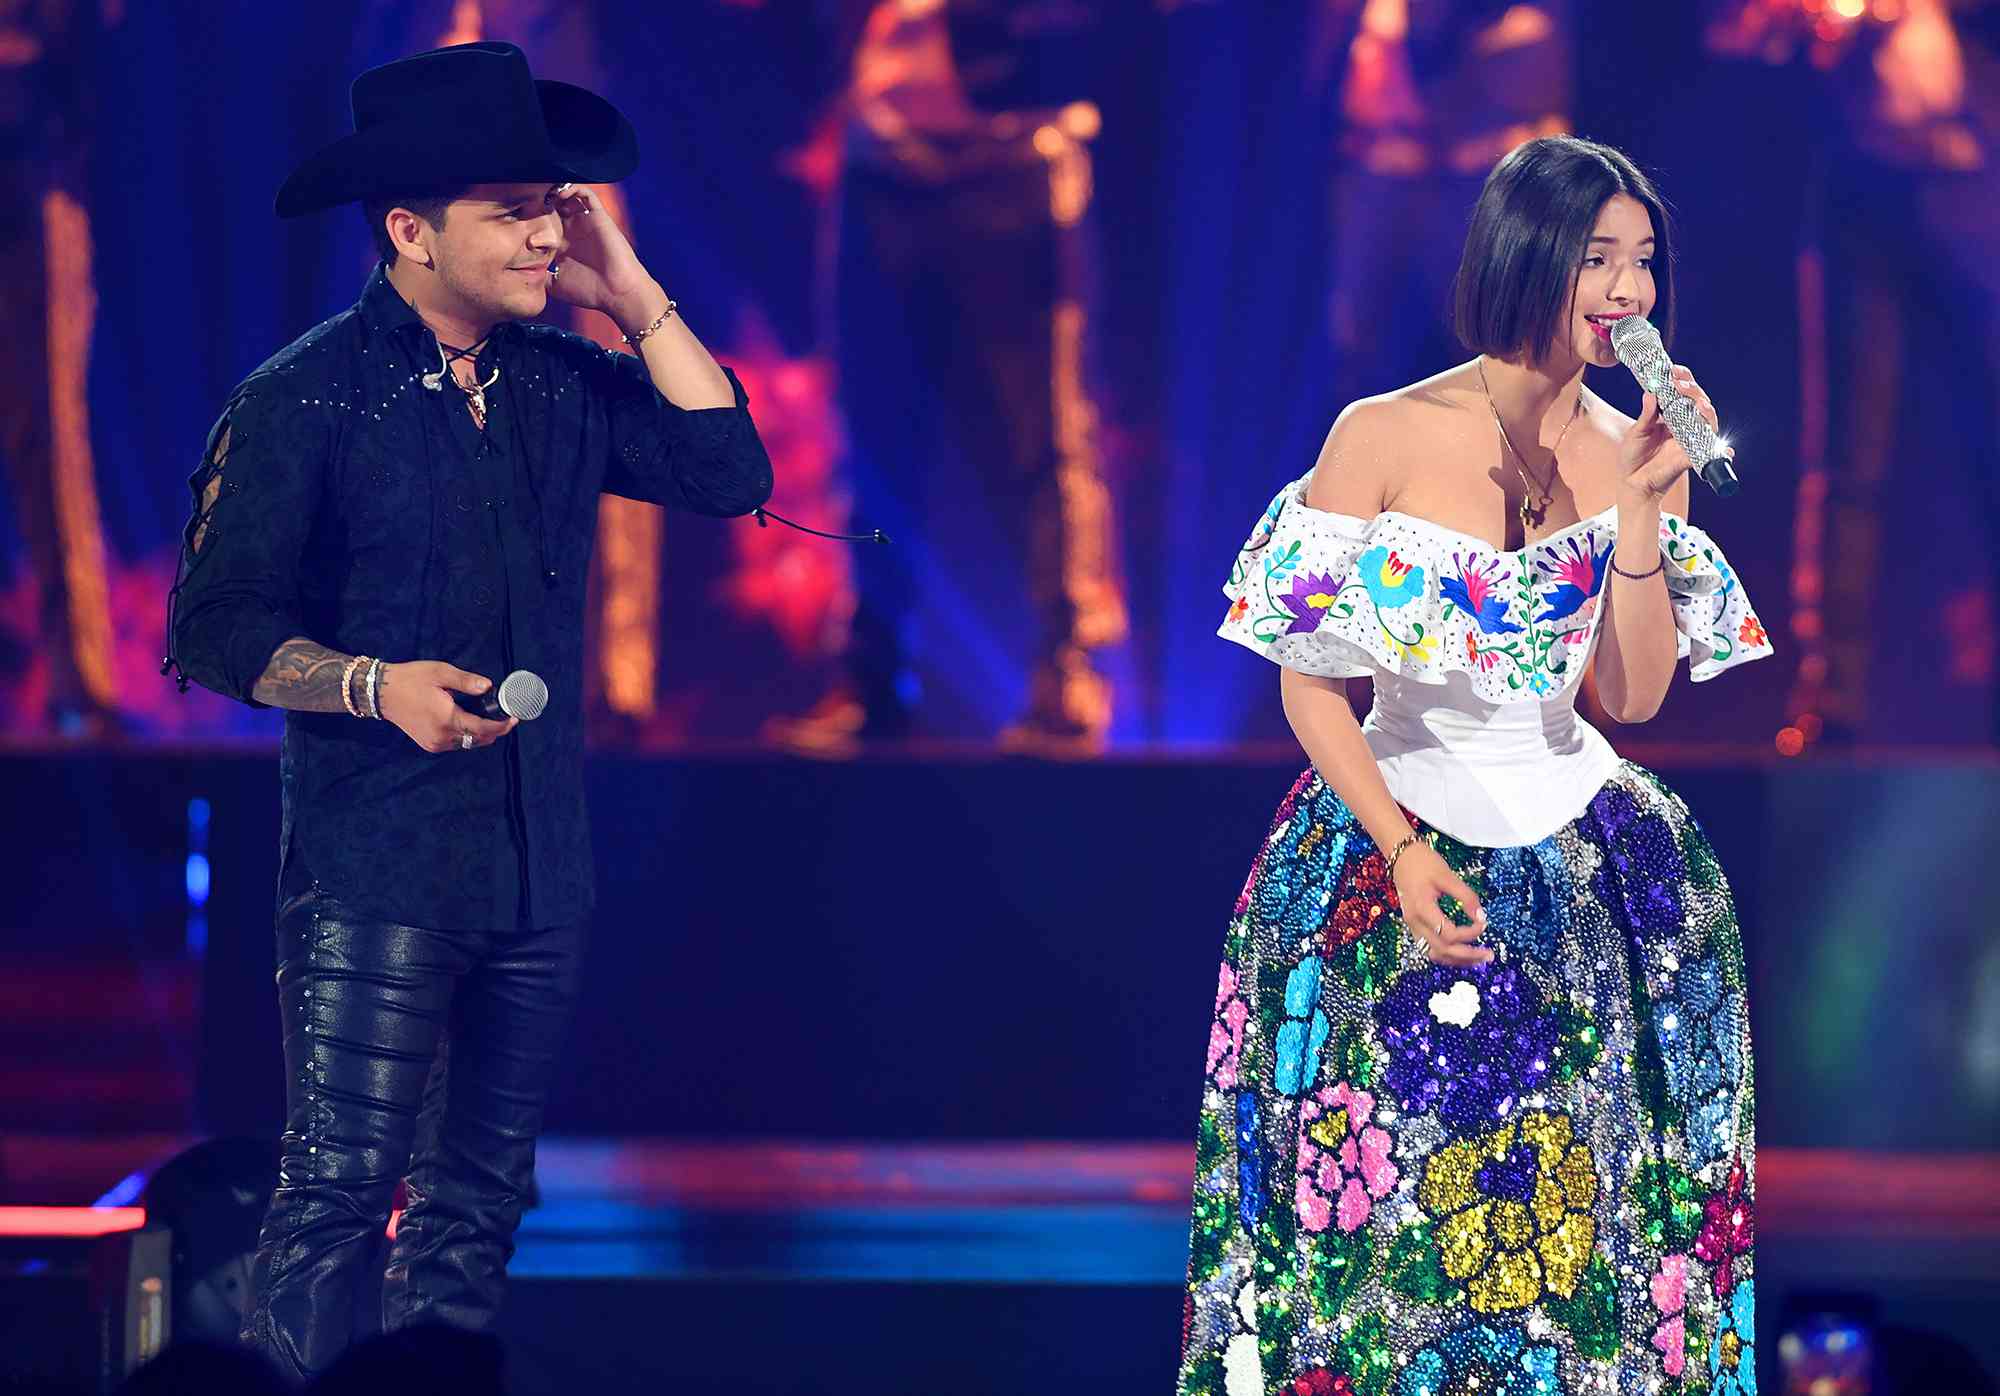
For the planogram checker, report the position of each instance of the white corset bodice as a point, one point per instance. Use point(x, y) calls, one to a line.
point(1492, 774)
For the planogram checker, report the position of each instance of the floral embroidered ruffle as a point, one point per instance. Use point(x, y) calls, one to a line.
point(1342, 597)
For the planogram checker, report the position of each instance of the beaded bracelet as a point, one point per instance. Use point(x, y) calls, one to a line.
point(1639, 576)
point(347, 685)
point(652, 329)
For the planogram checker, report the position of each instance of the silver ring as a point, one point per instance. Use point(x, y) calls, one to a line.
point(465, 741)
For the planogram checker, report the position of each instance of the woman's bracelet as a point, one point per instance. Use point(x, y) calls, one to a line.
point(375, 689)
point(1639, 576)
point(1402, 847)
point(347, 685)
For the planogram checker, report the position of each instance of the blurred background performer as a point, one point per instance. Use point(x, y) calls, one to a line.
point(1901, 314)
point(417, 480)
point(959, 317)
point(1422, 96)
point(49, 306)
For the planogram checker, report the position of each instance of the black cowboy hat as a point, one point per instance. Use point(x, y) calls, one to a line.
point(469, 114)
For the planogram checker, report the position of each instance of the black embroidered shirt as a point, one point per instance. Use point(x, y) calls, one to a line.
point(342, 500)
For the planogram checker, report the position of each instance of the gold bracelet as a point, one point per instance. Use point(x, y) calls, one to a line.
point(652, 329)
point(1402, 848)
point(347, 685)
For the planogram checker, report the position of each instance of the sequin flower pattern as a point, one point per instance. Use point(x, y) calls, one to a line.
point(1368, 899)
point(1643, 867)
point(1700, 1031)
point(1225, 1037)
point(1728, 1228)
point(1466, 1042)
point(1513, 1211)
point(1415, 1179)
point(1482, 1360)
point(1732, 1352)
point(1344, 1164)
point(1669, 1289)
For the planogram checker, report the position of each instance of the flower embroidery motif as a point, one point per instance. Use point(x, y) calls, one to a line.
point(1700, 1032)
point(1472, 1072)
point(1420, 649)
point(1303, 1035)
point(1250, 1163)
point(1669, 1288)
point(1370, 899)
point(1483, 1361)
point(1474, 591)
point(1513, 1211)
point(1392, 583)
point(1527, 897)
point(1732, 1352)
point(1728, 1228)
point(1344, 1166)
point(1643, 867)
point(1311, 597)
point(1579, 576)
point(1520, 624)
point(1478, 658)
point(1225, 1035)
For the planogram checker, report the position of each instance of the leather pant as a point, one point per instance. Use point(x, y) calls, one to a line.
point(408, 1053)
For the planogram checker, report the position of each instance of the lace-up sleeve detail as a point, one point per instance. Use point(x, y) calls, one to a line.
point(1718, 629)
point(237, 596)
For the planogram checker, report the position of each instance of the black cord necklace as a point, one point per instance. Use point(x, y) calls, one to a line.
point(475, 392)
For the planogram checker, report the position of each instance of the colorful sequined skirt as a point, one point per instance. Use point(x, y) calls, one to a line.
point(1522, 1178)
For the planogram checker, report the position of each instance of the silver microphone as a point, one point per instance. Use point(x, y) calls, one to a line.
point(1637, 345)
point(521, 694)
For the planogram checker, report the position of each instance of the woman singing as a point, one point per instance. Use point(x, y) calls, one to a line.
point(1477, 1117)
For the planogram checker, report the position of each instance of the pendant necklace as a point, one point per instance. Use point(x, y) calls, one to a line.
point(475, 392)
point(1532, 514)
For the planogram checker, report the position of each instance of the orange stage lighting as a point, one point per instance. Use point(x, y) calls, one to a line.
point(70, 1221)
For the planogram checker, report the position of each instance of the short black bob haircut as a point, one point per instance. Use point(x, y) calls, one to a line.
point(1529, 232)
point(427, 204)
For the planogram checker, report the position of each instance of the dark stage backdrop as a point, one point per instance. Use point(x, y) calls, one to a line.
point(1207, 350)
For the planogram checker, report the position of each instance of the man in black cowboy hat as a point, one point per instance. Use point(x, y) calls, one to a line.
point(392, 513)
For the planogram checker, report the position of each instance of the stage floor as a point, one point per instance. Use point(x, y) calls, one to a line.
point(1013, 1212)
point(807, 1266)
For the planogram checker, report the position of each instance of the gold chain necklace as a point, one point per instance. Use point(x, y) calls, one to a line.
point(1532, 514)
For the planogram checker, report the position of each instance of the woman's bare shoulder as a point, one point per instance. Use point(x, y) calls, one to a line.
point(1373, 443)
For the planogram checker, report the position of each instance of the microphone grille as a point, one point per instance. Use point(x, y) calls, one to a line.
point(1635, 336)
point(523, 695)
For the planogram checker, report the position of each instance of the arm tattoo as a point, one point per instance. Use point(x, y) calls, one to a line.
point(304, 677)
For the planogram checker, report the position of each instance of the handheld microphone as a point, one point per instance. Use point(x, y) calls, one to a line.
point(1637, 345)
point(521, 694)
